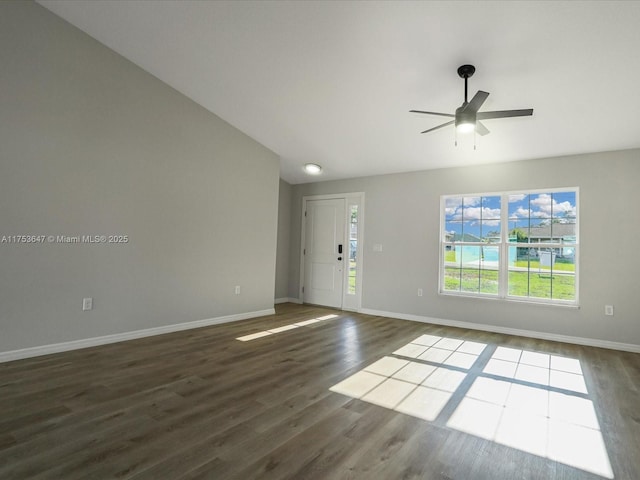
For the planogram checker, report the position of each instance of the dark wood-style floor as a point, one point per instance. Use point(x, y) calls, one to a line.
point(200, 404)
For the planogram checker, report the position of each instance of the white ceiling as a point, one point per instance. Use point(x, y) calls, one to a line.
point(332, 82)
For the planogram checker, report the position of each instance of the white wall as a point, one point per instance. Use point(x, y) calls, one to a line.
point(402, 214)
point(91, 144)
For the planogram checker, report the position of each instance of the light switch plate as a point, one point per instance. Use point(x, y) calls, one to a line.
point(87, 303)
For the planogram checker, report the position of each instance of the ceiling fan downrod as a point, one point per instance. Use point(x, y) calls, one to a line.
point(466, 71)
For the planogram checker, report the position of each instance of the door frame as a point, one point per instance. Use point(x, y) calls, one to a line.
point(351, 302)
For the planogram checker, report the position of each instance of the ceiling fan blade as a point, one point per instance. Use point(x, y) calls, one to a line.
point(476, 102)
point(434, 113)
point(480, 128)
point(439, 126)
point(504, 114)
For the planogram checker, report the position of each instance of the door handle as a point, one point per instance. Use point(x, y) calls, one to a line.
point(340, 248)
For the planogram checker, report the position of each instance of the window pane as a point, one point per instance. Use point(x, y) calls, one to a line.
point(540, 231)
point(560, 231)
point(451, 269)
point(451, 279)
point(541, 205)
point(470, 231)
point(489, 281)
point(453, 231)
point(518, 281)
point(564, 285)
point(452, 208)
point(540, 273)
point(469, 208)
point(490, 256)
point(471, 219)
point(450, 257)
point(564, 275)
point(470, 280)
point(353, 248)
point(540, 283)
point(490, 231)
point(491, 208)
point(567, 254)
point(563, 206)
point(352, 276)
point(481, 208)
point(518, 206)
point(519, 230)
point(565, 260)
point(469, 256)
point(470, 274)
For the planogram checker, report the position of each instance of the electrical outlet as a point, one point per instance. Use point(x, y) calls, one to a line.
point(87, 303)
point(237, 289)
point(608, 310)
point(377, 247)
point(419, 292)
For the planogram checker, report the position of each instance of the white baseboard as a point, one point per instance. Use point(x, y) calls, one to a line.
point(121, 337)
point(591, 342)
point(287, 300)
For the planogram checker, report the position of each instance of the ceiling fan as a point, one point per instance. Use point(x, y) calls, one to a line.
point(467, 118)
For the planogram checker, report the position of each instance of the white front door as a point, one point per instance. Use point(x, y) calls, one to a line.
point(324, 262)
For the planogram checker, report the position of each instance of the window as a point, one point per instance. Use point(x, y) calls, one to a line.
point(353, 248)
point(515, 245)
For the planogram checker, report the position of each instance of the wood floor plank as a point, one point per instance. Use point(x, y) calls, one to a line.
point(200, 404)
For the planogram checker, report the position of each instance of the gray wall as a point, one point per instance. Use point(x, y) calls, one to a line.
point(91, 144)
point(284, 234)
point(402, 213)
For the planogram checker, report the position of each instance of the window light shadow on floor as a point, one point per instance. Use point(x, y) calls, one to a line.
point(284, 328)
point(531, 401)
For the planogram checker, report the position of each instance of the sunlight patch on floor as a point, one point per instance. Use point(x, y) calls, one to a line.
point(540, 368)
point(409, 385)
point(562, 427)
point(537, 404)
point(284, 328)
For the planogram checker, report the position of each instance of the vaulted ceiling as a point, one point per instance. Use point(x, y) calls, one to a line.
point(332, 82)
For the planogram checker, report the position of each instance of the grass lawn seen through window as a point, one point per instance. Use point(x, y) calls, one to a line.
point(558, 283)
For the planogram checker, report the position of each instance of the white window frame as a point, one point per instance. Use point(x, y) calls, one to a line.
point(504, 244)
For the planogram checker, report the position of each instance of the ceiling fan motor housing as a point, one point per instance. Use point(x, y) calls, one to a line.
point(464, 117)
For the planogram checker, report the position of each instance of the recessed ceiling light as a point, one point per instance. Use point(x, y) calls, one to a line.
point(312, 168)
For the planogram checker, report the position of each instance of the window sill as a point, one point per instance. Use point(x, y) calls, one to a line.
point(526, 301)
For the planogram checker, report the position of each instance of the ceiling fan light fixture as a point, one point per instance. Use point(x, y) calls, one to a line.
point(465, 120)
point(312, 168)
point(466, 127)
